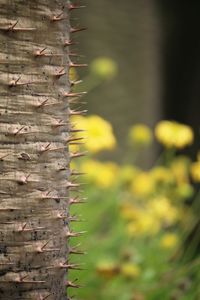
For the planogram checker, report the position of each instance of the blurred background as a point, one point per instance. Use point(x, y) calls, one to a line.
point(142, 134)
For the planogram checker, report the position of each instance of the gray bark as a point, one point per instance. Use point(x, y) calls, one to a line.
point(34, 159)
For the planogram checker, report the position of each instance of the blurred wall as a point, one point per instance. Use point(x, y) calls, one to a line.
point(127, 31)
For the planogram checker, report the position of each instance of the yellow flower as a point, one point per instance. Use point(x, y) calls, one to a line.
point(144, 224)
point(98, 133)
point(162, 175)
point(104, 67)
point(143, 185)
point(130, 270)
point(128, 173)
point(169, 240)
point(128, 211)
point(195, 171)
point(140, 135)
point(107, 269)
point(103, 174)
point(161, 208)
point(173, 134)
point(180, 169)
point(73, 76)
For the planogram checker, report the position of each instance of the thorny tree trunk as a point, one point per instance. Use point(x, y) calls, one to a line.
point(34, 158)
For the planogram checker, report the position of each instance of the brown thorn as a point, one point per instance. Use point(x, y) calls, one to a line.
point(13, 26)
point(44, 149)
point(75, 234)
point(14, 82)
point(43, 103)
point(45, 297)
point(72, 284)
point(75, 173)
point(72, 139)
point(74, 30)
point(58, 17)
point(74, 6)
point(77, 112)
point(69, 43)
point(74, 94)
point(72, 250)
point(2, 157)
point(77, 154)
point(40, 52)
point(18, 131)
point(74, 65)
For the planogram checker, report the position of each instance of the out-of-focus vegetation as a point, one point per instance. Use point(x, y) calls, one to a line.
point(137, 220)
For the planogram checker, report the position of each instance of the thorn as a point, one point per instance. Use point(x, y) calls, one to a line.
point(40, 52)
point(77, 112)
point(23, 179)
point(72, 83)
point(74, 6)
point(14, 82)
point(75, 234)
point(2, 157)
point(72, 218)
point(60, 73)
point(24, 156)
point(70, 266)
point(74, 30)
point(43, 103)
point(74, 65)
point(44, 149)
point(45, 244)
point(45, 297)
point(72, 185)
point(73, 139)
point(59, 123)
point(73, 250)
point(77, 154)
point(18, 131)
point(75, 173)
point(69, 43)
point(13, 26)
point(58, 17)
point(74, 94)
point(22, 278)
point(75, 54)
point(76, 201)
point(72, 284)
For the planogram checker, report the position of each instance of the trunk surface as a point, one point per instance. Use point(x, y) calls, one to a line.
point(34, 159)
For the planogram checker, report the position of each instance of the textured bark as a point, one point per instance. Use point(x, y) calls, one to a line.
point(34, 159)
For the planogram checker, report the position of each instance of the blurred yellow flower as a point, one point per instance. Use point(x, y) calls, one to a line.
point(143, 185)
point(128, 211)
point(103, 174)
point(98, 133)
point(107, 269)
point(195, 171)
point(180, 169)
point(127, 173)
point(140, 135)
point(184, 190)
point(161, 208)
point(169, 240)
point(173, 134)
point(73, 76)
point(130, 270)
point(144, 224)
point(162, 175)
point(104, 67)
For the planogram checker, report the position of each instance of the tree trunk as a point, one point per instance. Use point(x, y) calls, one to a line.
point(34, 158)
